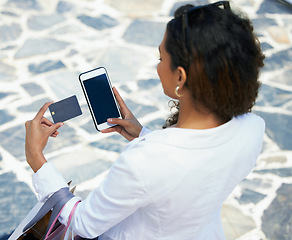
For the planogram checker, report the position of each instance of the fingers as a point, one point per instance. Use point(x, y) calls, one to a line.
point(42, 111)
point(118, 121)
point(119, 99)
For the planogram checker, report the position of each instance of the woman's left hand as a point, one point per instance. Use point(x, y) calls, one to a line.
point(38, 131)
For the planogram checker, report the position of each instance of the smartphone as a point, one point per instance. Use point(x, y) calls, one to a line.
point(100, 98)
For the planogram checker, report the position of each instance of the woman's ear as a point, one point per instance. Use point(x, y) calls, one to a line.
point(182, 76)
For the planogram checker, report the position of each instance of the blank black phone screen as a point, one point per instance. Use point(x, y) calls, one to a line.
point(101, 99)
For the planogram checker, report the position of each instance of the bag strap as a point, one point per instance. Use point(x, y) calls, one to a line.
point(63, 195)
point(56, 218)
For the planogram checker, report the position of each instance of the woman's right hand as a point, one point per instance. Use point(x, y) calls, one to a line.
point(128, 127)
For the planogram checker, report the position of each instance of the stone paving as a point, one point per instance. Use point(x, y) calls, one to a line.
point(45, 45)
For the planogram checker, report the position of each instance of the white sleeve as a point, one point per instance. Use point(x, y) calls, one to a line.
point(120, 194)
point(47, 180)
point(144, 132)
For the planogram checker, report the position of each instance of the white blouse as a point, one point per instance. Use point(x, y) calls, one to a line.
point(167, 184)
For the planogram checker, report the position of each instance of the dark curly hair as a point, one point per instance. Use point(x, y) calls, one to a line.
point(223, 68)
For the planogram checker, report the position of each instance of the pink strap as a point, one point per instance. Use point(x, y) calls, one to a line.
point(69, 220)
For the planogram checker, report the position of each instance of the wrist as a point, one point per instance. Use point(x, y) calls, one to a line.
point(35, 160)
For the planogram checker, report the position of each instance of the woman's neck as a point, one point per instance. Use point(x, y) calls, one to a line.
point(196, 116)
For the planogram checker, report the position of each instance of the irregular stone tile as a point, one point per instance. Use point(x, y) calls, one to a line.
point(279, 34)
point(64, 84)
point(136, 8)
point(33, 89)
point(286, 77)
point(140, 110)
point(147, 84)
point(5, 94)
point(33, 107)
point(120, 61)
point(272, 96)
point(65, 30)
point(249, 196)
point(5, 117)
point(279, 60)
point(276, 220)
point(281, 172)
point(32, 47)
point(144, 32)
point(278, 128)
point(9, 32)
point(98, 23)
point(8, 13)
point(265, 46)
point(156, 124)
point(17, 200)
point(235, 223)
point(81, 164)
point(7, 72)
point(274, 159)
point(64, 6)
point(45, 66)
point(254, 183)
point(13, 140)
point(46, 21)
point(271, 6)
point(25, 4)
point(89, 127)
point(262, 23)
point(113, 143)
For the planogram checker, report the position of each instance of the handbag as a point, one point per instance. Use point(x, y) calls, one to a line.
point(45, 224)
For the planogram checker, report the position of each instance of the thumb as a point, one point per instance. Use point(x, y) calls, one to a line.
point(55, 127)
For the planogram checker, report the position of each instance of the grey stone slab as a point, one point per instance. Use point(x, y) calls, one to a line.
point(276, 7)
point(98, 23)
point(272, 96)
point(5, 117)
point(45, 66)
point(145, 33)
point(8, 13)
point(140, 110)
point(64, 6)
point(115, 143)
point(33, 107)
point(5, 94)
point(249, 196)
point(7, 72)
point(278, 128)
point(119, 62)
point(149, 83)
point(16, 201)
point(156, 124)
point(13, 140)
point(235, 223)
point(262, 23)
point(254, 183)
point(279, 60)
point(40, 46)
point(281, 172)
point(276, 220)
point(265, 46)
point(64, 84)
point(9, 32)
point(44, 21)
point(286, 77)
point(25, 4)
point(33, 89)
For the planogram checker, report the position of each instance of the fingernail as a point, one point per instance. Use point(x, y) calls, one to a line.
point(109, 120)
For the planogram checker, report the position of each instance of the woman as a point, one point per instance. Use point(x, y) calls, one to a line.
point(171, 183)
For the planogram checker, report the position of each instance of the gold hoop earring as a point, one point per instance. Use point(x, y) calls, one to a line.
point(176, 92)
